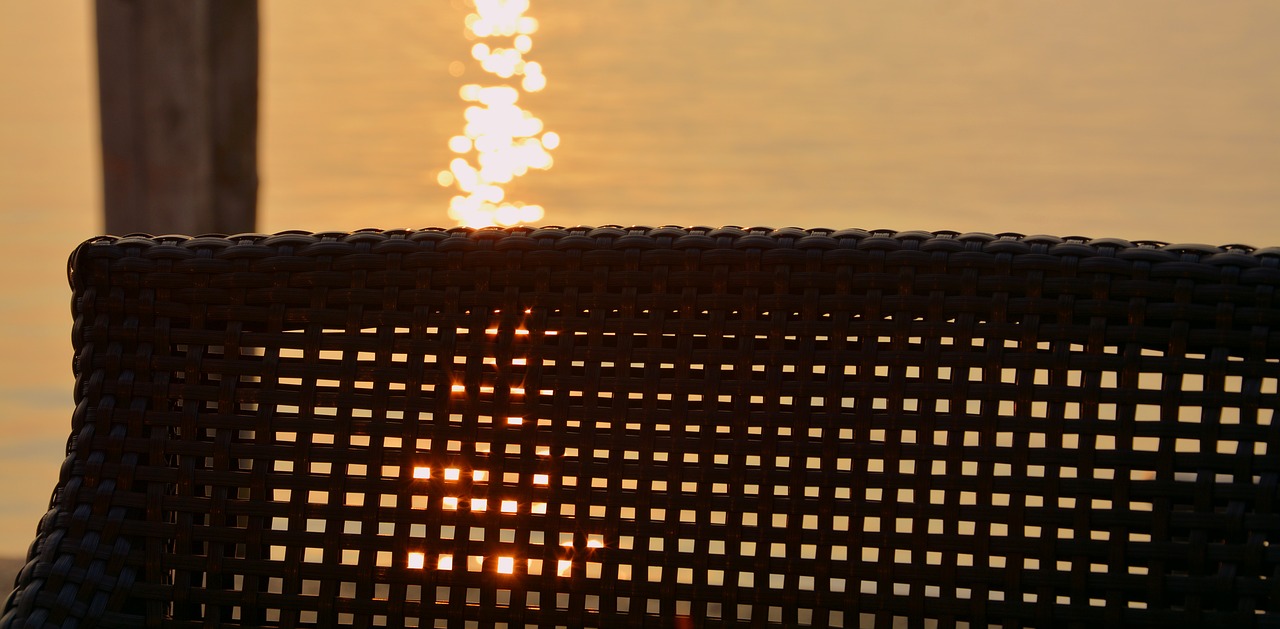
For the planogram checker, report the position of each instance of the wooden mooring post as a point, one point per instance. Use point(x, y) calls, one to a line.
point(178, 96)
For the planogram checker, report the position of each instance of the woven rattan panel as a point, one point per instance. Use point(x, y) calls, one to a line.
point(665, 427)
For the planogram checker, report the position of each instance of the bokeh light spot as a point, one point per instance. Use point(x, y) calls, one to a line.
point(501, 140)
point(460, 144)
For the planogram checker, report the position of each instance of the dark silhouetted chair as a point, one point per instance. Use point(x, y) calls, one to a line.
point(625, 427)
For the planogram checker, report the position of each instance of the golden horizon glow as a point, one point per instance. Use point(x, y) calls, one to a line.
point(501, 140)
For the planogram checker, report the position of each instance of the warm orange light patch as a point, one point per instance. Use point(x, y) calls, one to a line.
point(480, 476)
point(541, 479)
point(452, 473)
point(595, 541)
point(445, 562)
point(479, 504)
point(458, 388)
point(450, 503)
point(422, 472)
point(509, 506)
point(564, 567)
point(506, 565)
point(515, 421)
point(417, 561)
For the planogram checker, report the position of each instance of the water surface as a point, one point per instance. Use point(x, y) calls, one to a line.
point(1142, 119)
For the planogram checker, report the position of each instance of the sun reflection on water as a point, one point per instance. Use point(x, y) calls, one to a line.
point(501, 140)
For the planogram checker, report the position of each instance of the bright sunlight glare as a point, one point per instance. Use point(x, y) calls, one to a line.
point(501, 141)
